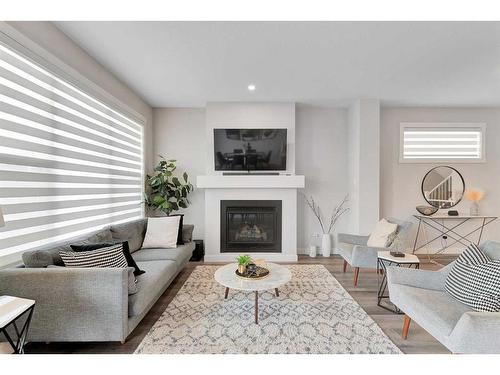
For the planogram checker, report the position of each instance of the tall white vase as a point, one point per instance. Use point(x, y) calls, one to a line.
point(326, 244)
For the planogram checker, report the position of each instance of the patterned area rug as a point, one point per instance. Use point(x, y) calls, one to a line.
point(313, 314)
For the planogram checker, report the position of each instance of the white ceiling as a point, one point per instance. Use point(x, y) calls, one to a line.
point(180, 64)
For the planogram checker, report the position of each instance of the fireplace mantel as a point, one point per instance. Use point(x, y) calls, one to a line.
point(250, 182)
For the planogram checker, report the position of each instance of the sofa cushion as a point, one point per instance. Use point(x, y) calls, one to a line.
point(435, 310)
point(37, 259)
point(180, 254)
point(101, 236)
point(106, 257)
point(187, 233)
point(55, 248)
point(126, 252)
point(475, 280)
point(382, 234)
point(162, 232)
point(132, 232)
point(149, 285)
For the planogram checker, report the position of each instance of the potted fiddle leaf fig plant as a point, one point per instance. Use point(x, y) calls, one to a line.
point(166, 192)
point(243, 262)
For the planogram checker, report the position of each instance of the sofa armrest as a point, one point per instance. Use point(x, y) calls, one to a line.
point(476, 332)
point(352, 239)
point(72, 304)
point(365, 256)
point(418, 278)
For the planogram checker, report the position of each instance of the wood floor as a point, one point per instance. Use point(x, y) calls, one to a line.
point(365, 294)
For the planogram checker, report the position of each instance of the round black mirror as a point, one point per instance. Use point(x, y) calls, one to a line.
point(443, 187)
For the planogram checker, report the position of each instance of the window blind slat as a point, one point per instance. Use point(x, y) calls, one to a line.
point(69, 163)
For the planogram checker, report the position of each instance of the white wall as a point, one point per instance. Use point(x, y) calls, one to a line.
point(320, 141)
point(250, 115)
point(180, 134)
point(321, 155)
point(400, 182)
point(364, 164)
point(43, 37)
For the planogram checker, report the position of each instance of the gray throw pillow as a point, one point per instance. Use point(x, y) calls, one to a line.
point(473, 280)
point(132, 232)
point(187, 233)
point(37, 259)
point(101, 236)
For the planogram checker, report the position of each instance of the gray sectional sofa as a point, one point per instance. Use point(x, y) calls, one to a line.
point(93, 304)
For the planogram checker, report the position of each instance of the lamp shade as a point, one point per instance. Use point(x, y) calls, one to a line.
point(2, 221)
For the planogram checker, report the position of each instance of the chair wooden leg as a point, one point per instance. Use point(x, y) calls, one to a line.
point(406, 326)
point(345, 266)
point(356, 275)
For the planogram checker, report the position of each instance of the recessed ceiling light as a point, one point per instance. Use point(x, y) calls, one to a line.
point(251, 87)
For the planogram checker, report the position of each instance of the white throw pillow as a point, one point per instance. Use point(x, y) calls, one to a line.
point(162, 232)
point(381, 235)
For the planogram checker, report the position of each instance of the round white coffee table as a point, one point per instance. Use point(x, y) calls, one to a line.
point(278, 276)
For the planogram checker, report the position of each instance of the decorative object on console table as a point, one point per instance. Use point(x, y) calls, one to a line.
point(166, 192)
point(426, 210)
point(198, 252)
point(338, 211)
point(443, 187)
point(474, 196)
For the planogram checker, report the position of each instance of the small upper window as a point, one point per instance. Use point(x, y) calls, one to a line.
point(431, 142)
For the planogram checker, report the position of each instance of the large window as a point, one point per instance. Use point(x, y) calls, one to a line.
point(69, 163)
point(440, 142)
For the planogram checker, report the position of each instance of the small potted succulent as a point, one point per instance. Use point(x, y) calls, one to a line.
point(243, 262)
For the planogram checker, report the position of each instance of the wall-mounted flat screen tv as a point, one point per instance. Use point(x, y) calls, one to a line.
point(250, 149)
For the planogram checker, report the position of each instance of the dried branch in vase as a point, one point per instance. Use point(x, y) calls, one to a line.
point(336, 214)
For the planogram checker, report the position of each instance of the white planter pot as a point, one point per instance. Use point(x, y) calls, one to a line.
point(313, 249)
point(326, 244)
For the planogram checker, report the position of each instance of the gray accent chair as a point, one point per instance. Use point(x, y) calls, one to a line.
point(356, 253)
point(421, 296)
point(93, 304)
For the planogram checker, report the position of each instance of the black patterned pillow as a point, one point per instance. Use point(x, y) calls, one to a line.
point(107, 257)
point(474, 280)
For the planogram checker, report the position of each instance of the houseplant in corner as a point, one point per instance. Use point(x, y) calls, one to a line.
point(338, 211)
point(166, 192)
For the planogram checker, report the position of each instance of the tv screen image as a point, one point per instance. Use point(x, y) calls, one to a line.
point(250, 149)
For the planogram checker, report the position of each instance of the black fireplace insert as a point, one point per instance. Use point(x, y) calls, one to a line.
point(250, 226)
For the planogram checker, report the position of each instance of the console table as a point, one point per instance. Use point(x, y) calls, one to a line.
point(449, 226)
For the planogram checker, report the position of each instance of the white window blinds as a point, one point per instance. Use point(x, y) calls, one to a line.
point(442, 142)
point(69, 164)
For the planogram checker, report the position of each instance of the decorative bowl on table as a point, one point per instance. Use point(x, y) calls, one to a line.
point(253, 272)
point(426, 210)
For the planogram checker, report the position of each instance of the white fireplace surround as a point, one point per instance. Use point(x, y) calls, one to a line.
point(218, 188)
